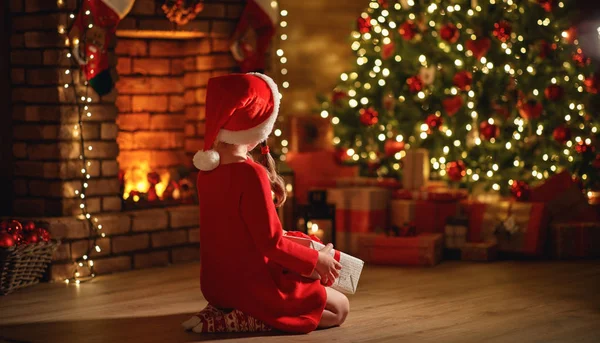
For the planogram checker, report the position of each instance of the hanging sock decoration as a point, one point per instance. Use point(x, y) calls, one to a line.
point(253, 34)
point(98, 19)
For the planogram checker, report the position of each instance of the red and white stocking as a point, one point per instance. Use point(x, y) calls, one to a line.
point(253, 35)
point(92, 31)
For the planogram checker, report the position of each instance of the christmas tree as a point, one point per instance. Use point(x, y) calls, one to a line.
point(498, 91)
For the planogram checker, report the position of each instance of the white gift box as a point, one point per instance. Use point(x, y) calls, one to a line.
point(351, 266)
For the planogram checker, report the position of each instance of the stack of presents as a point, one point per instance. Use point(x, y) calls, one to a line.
point(420, 222)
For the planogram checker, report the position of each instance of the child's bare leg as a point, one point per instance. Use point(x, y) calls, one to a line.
point(336, 309)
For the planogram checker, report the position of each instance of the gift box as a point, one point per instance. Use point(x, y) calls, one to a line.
point(485, 251)
point(518, 227)
point(421, 250)
point(360, 209)
point(352, 267)
point(455, 232)
point(310, 134)
point(575, 240)
point(427, 215)
point(316, 170)
point(565, 202)
point(415, 172)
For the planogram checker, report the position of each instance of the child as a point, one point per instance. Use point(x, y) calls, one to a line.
point(247, 265)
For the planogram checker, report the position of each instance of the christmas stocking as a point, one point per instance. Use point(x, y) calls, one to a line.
point(92, 32)
point(253, 35)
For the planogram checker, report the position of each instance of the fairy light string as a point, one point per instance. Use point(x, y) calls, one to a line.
point(83, 111)
point(283, 71)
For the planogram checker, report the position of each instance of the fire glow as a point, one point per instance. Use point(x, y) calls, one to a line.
point(138, 181)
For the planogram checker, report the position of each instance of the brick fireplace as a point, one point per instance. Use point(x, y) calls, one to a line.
point(153, 121)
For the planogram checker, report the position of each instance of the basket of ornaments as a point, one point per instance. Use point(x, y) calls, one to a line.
point(25, 251)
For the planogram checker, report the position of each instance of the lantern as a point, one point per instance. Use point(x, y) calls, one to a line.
point(318, 217)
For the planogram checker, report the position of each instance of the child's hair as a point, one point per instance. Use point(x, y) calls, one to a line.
point(277, 183)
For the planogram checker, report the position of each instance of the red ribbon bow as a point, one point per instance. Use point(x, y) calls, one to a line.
point(264, 150)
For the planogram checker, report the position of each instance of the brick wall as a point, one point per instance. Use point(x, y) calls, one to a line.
point(155, 114)
point(134, 240)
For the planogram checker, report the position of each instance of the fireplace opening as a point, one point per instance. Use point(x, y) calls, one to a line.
point(161, 88)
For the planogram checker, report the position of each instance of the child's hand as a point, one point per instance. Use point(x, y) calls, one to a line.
point(327, 267)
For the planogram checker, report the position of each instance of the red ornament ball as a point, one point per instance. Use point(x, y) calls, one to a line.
point(502, 31)
point(32, 238)
point(554, 92)
point(463, 80)
point(383, 3)
point(546, 5)
point(6, 240)
point(44, 234)
point(364, 24)
point(392, 146)
point(520, 190)
point(14, 228)
point(479, 47)
point(583, 148)
point(489, 131)
point(408, 30)
point(561, 134)
point(530, 109)
point(450, 33)
point(368, 116)
point(29, 226)
point(456, 170)
point(452, 105)
point(434, 122)
point(415, 84)
point(591, 84)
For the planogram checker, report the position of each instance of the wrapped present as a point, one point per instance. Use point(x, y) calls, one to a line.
point(316, 169)
point(415, 173)
point(565, 202)
point(518, 227)
point(421, 250)
point(455, 232)
point(485, 251)
point(575, 240)
point(310, 134)
point(352, 267)
point(428, 215)
point(360, 209)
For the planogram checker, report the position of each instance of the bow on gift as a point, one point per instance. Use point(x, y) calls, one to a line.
point(508, 226)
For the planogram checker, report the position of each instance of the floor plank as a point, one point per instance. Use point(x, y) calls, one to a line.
point(453, 302)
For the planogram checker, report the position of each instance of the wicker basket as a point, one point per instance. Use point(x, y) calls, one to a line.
point(24, 265)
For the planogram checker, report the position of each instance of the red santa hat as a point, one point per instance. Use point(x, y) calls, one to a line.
point(241, 109)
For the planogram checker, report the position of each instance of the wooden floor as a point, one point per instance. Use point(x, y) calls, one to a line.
point(453, 302)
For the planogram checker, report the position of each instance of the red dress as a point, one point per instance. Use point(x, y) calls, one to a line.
point(246, 263)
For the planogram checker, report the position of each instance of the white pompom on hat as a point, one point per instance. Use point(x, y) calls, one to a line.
point(241, 109)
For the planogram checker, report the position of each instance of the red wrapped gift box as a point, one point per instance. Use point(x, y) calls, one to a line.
point(421, 250)
point(358, 210)
point(361, 181)
point(565, 202)
point(575, 240)
point(428, 215)
point(516, 226)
